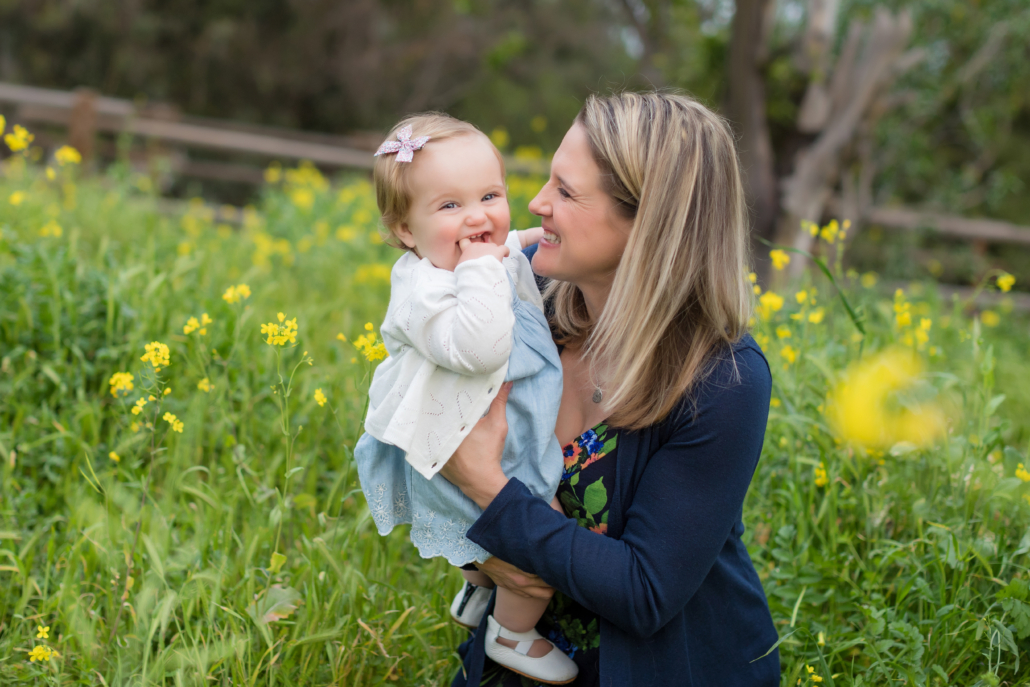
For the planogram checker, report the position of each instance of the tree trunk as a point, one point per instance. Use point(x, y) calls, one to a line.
point(746, 110)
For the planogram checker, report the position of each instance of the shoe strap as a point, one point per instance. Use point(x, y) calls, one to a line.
point(470, 589)
point(524, 647)
point(520, 637)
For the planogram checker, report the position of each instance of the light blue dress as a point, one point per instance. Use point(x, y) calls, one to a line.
point(438, 511)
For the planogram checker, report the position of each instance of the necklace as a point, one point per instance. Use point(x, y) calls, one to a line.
point(598, 394)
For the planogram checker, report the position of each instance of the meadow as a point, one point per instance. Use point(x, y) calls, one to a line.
point(180, 391)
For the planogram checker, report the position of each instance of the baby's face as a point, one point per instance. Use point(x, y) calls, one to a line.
point(457, 193)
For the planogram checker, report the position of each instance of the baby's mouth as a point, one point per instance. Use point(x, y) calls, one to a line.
point(479, 238)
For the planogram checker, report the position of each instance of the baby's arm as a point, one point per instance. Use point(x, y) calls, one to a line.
point(461, 320)
point(529, 237)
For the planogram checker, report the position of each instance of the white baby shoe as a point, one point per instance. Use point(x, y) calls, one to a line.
point(553, 668)
point(469, 604)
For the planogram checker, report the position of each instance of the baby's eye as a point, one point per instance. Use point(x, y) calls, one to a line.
point(491, 196)
point(449, 206)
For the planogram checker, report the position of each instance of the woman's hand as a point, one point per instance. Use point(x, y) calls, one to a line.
point(511, 578)
point(475, 467)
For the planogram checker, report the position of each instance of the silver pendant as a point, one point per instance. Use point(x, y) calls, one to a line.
point(597, 395)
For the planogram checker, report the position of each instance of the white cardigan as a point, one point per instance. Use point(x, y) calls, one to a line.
point(449, 338)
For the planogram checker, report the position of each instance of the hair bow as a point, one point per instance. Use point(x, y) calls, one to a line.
point(404, 146)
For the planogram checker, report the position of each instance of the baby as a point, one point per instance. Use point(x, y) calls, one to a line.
point(465, 316)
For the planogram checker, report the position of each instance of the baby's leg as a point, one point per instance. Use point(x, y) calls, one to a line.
point(478, 578)
point(519, 614)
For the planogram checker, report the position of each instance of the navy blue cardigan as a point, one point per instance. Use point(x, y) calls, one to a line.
point(679, 599)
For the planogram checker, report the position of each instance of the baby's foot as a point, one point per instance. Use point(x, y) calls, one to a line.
point(541, 647)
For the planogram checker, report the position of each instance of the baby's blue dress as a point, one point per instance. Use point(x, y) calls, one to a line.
point(438, 511)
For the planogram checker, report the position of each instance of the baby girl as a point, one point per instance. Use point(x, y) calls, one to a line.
point(465, 316)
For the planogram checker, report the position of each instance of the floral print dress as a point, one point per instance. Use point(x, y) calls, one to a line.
point(584, 492)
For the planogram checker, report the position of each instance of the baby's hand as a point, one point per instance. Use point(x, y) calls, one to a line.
point(529, 237)
point(472, 250)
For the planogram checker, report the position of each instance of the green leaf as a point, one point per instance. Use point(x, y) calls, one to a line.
point(276, 563)
point(574, 480)
point(595, 498)
point(278, 603)
point(1016, 589)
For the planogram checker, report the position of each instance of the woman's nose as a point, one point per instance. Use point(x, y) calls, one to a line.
point(538, 206)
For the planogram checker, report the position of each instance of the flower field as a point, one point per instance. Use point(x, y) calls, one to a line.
point(180, 391)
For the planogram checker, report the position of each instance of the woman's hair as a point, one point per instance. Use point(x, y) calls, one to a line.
point(680, 291)
point(390, 177)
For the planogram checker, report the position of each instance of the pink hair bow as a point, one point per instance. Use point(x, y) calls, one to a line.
point(404, 146)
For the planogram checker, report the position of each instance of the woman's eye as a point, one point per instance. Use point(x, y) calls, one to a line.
point(563, 193)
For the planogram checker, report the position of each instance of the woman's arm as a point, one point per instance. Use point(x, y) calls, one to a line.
point(687, 502)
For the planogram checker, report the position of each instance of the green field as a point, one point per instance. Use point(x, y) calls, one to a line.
point(256, 561)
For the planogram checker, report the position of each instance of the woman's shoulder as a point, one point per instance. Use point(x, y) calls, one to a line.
point(736, 382)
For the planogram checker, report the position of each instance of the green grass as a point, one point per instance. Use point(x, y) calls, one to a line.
point(900, 561)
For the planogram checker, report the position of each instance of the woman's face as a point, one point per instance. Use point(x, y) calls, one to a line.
point(584, 236)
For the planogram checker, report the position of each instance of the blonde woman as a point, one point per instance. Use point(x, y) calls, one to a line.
point(662, 415)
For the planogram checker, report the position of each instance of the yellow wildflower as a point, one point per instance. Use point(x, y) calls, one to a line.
point(500, 137)
point(19, 139)
point(783, 332)
point(273, 173)
point(779, 258)
point(369, 326)
point(173, 421)
point(156, 355)
point(801, 296)
point(3, 123)
point(40, 653)
point(341, 337)
point(1006, 281)
point(346, 233)
point(775, 403)
point(116, 458)
point(816, 316)
point(320, 397)
point(821, 480)
point(51, 228)
point(204, 385)
point(370, 274)
point(861, 410)
point(138, 407)
point(192, 324)
point(811, 227)
point(830, 231)
point(789, 354)
point(990, 318)
point(134, 427)
point(1022, 474)
point(66, 155)
point(50, 173)
point(869, 280)
point(42, 632)
point(282, 333)
point(752, 277)
point(370, 348)
point(17, 198)
point(121, 383)
point(235, 294)
point(303, 198)
point(770, 302)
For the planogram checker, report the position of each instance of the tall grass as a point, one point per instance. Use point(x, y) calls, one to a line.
point(256, 561)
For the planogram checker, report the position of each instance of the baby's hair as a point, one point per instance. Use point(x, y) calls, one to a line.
point(393, 191)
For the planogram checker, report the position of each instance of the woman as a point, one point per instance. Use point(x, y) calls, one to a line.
point(662, 415)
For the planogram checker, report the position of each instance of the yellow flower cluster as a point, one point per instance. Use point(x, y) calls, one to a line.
point(121, 384)
point(204, 385)
point(41, 653)
point(768, 304)
point(173, 421)
point(831, 232)
point(66, 155)
point(780, 259)
point(370, 348)
point(1005, 282)
point(320, 398)
point(114, 456)
point(17, 198)
point(282, 333)
point(1022, 473)
point(862, 408)
point(376, 273)
point(137, 408)
point(193, 325)
point(236, 294)
point(19, 139)
point(917, 336)
point(811, 675)
point(821, 480)
point(51, 228)
point(156, 355)
point(990, 318)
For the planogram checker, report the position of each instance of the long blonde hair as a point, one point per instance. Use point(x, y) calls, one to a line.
point(680, 292)
point(390, 177)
